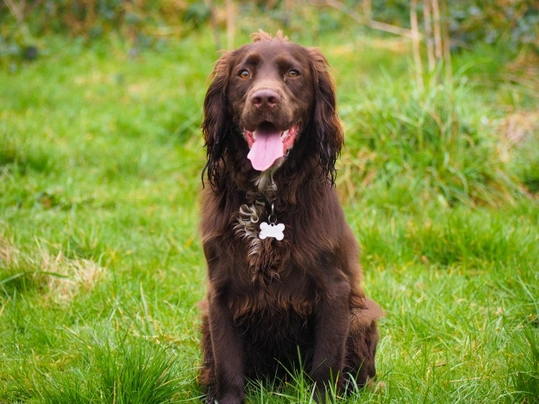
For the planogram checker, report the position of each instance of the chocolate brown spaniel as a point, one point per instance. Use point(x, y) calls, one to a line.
point(283, 266)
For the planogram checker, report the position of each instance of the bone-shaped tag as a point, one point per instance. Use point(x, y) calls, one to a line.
point(274, 230)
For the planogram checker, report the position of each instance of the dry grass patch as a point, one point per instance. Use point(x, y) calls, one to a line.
point(57, 277)
point(69, 277)
point(520, 125)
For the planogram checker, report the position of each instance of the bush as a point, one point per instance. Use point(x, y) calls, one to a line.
point(469, 21)
point(476, 20)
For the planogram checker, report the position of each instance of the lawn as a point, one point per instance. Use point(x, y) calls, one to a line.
point(101, 266)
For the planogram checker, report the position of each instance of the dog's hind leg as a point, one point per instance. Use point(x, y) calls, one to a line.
point(361, 344)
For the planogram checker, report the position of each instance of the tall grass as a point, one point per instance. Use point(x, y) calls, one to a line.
point(429, 144)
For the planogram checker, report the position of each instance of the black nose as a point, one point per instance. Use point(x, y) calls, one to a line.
point(265, 98)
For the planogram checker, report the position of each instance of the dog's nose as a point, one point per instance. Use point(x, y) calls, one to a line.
point(265, 98)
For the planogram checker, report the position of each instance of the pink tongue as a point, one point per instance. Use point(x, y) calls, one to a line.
point(266, 149)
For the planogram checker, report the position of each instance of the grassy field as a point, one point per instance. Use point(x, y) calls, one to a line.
point(101, 266)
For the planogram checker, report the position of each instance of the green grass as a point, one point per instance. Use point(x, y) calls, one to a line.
point(101, 267)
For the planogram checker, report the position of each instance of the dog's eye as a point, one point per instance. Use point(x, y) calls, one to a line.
point(292, 73)
point(244, 74)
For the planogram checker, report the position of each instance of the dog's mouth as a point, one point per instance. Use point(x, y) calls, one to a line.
point(268, 144)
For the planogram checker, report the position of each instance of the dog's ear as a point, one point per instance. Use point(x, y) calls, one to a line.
point(216, 126)
point(327, 127)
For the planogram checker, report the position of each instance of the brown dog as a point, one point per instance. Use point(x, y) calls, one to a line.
point(283, 265)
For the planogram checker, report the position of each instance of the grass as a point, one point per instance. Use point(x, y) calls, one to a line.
point(100, 263)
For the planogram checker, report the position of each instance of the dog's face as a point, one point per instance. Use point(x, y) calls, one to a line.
point(270, 94)
point(271, 97)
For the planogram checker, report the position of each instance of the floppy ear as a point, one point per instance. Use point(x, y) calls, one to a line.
point(327, 127)
point(216, 126)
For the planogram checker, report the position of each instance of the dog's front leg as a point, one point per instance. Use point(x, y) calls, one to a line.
point(332, 326)
point(227, 353)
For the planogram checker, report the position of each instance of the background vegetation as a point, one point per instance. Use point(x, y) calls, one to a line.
point(100, 158)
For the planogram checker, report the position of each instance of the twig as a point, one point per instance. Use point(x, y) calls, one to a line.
point(367, 9)
point(17, 10)
point(415, 42)
point(428, 34)
point(381, 26)
point(447, 46)
point(213, 24)
point(230, 26)
point(437, 29)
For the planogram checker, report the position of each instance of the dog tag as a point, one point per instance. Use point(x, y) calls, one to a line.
point(273, 230)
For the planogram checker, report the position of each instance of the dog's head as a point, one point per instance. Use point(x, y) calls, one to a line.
point(273, 94)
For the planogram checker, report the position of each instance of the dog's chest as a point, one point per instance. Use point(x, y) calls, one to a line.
point(275, 302)
point(264, 237)
point(262, 230)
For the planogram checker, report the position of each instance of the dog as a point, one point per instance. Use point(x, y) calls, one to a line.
point(282, 264)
